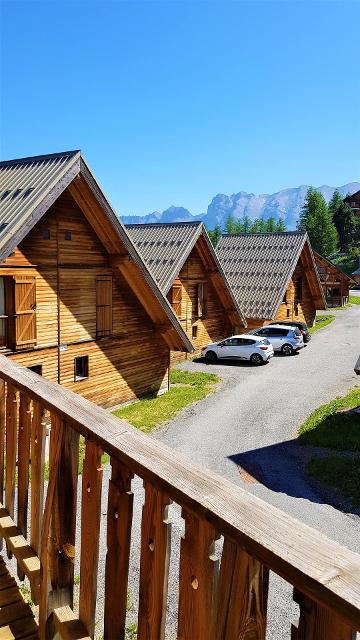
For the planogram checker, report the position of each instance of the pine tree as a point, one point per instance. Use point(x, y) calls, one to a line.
point(231, 224)
point(344, 220)
point(215, 235)
point(316, 219)
point(280, 226)
point(271, 225)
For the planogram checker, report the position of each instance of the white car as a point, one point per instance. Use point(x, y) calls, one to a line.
point(243, 347)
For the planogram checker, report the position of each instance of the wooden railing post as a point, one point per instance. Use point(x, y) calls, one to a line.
point(58, 530)
point(2, 441)
point(154, 565)
point(119, 520)
point(242, 594)
point(23, 466)
point(318, 623)
point(37, 447)
point(11, 450)
point(90, 519)
point(197, 579)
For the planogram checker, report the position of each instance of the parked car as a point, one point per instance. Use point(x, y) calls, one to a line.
point(244, 347)
point(300, 325)
point(287, 340)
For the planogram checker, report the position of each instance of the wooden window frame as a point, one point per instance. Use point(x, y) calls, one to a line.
point(176, 298)
point(85, 359)
point(194, 331)
point(104, 331)
point(20, 311)
point(201, 299)
point(298, 293)
point(67, 235)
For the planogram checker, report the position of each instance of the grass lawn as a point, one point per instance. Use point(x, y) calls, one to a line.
point(354, 299)
point(186, 388)
point(340, 472)
point(332, 426)
point(336, 427)
point(320, 322)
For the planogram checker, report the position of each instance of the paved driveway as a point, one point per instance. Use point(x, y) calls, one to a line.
point(253, 420)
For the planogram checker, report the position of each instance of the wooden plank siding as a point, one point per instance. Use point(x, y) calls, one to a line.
point(132, 360)
point(214, 324)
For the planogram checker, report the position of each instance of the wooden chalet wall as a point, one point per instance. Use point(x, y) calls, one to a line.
point(335, 284)
point(129, 362)
point(303, 310)
point(214, 324)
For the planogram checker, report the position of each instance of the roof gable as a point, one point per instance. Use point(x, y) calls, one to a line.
point(259, 266)
point(165, 248)
point(29, 186)
point(324, 263)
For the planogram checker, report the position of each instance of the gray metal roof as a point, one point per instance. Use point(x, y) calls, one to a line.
point(25, 184)
point(258, 267)
point(165, 247)
point(29, 186)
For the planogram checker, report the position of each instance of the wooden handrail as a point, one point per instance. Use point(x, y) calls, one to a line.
point(321, 569)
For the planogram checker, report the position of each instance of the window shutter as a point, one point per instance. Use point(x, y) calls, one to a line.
point(201, 300)
point(25, 310)
point(176, 297)
point(103, 306)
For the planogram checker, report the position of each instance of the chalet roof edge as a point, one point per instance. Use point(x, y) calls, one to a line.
point(46, 156)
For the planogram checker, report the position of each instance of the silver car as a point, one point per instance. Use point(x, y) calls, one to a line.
point(287, 340)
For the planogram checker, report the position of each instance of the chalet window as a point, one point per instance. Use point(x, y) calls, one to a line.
point(46, 234)
point(176, 297)
point(296, 310)
point(36, 368)
point(194, 331)
point(81, 368)
point(201, 300)
point(67, 235)
point(17, 312)
point(103, 306)
point(298, 289)
point(288, 313)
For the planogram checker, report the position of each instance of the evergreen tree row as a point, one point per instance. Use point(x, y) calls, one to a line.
point(247, 225)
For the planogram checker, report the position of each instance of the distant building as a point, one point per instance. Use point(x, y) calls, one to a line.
point(354, 202)
point(356, 274)
point(273, 276)
point(335, 282)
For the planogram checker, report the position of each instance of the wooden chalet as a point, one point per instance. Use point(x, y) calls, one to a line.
point(356, 274)
point(354, 202)
point(183, 262)
point(220, 592)
point(334, 282)
point(77, 303)
point(272, 275)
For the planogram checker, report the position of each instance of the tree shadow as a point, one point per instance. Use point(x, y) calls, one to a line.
point(281, 468)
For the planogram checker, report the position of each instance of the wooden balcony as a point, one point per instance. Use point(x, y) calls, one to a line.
point(222, 598)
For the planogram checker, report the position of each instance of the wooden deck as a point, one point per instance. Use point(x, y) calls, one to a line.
point(222, 595)
point(16, 616)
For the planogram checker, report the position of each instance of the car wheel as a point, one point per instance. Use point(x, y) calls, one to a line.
point(255, 358)
point(210, 357)
point(287, 350)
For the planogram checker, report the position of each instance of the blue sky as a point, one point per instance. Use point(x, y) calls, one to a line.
point(172, 102)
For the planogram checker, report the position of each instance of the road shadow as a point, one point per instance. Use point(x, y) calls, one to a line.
point(282, 468)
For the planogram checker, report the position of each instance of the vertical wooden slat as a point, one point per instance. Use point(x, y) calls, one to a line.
point(318, 623)
point(11, 446)
point(2, 441)
point(90, 527)
point(2, 435)
point(37, 447)
point(154, 565)
point(197, 580)
point(119, 519)
point(23, 467)
point(45, 630)
point(242, 593)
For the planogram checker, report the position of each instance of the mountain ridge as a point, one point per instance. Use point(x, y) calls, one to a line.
point(286, 204)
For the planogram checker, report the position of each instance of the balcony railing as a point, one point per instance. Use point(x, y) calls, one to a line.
point(221, 598)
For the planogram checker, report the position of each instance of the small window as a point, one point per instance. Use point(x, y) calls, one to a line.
point(194, 331)
point(201, 300)
point(81, 368)
point(103, 306)
point(36, 368)
point(288, 313)
point(46, 234)
point(296, 310)
point(298, 289)
point(67, 235)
